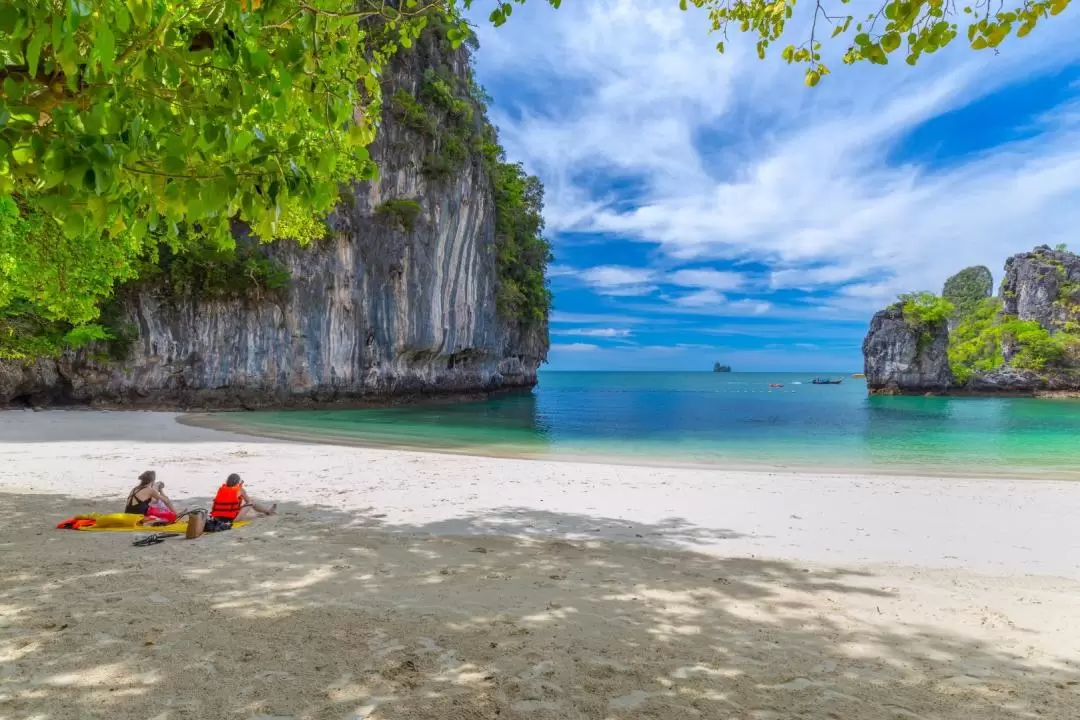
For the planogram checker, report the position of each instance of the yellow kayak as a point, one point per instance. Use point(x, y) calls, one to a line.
point(129, 522)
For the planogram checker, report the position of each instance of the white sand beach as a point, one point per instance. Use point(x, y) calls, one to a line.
point(398, 585)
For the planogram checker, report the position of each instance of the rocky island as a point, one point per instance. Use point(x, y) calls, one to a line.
point(430, 279)
point(1023, 341)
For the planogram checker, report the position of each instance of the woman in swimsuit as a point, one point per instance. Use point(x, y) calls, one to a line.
point(139, 499)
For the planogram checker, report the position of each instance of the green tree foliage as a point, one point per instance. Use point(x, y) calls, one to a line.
point(978, 342)
point(213, 273)
point(975, 343)
point(123, 122)
point(925, 309)
point(523, 252)
point(913, 27)
point(967, 289)
point(63, 277)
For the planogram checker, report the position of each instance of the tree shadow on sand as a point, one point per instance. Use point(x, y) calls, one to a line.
point(322, 614)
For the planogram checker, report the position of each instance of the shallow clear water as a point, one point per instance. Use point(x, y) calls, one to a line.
point(724, 419)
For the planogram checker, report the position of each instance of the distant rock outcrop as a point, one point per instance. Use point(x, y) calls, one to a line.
point(903, 357)
point(1030, 345)
point(1043, 285)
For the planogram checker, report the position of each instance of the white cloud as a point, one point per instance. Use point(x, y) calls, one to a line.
point(595, 332)
point(701, 298)
point(574, 347)
point(751, 307)
point(810, 278)
point(711, 302)
point(622, 281)
point(800, 180)
point(617, 281)
point(568, 318)
point(707, 278)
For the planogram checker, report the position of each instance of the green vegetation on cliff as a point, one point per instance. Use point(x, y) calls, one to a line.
point(402, 212)
point(523, 253)
point(968, 288)
point(975, 344)
point(923, 312)
point(923, 309)
point(978, 343)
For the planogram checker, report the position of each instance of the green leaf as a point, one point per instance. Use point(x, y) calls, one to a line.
point(260, 59)
point(12, 90)
point(23, 153)
point(122, 18)
point(73, 224)
point(33, 50)
point(242, 140)
point(174, 165)
point(105, 47)
point(862, 39)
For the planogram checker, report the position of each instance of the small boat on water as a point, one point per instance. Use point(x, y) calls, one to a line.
point(858, 376)
point(826, 381)
point(776, 385)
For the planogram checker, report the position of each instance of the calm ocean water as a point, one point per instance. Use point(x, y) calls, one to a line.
point(731, 419)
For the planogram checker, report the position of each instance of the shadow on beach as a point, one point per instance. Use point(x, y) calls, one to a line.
point(319, 614)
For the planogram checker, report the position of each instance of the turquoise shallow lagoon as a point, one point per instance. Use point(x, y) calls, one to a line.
point(723, 419)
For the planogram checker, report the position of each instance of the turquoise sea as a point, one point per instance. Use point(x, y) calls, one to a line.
point(721, 419)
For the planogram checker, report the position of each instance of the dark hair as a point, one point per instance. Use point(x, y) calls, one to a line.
point(147, 477)
point(233, 480)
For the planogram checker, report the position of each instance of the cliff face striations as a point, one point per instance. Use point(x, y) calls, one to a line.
point(1043, 285)
point(902, 356)
point(386, 305)
point(1025, 341)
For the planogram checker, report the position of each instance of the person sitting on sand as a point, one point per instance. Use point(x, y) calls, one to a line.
point(158, 506)
point(139, 499)
point(232, 500)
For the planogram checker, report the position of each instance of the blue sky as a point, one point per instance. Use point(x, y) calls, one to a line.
point(711, 207)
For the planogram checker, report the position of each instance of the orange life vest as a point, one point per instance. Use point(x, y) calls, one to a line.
point(227, 502)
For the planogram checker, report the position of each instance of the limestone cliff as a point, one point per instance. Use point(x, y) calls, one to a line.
point(379, 308)
point(1025, 341)
point(1043, 285)
point(902, 356)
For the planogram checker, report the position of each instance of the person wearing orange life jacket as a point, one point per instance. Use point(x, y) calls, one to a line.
point(232, 500)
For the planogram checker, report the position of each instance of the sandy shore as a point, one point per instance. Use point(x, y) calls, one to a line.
point(397, 585)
